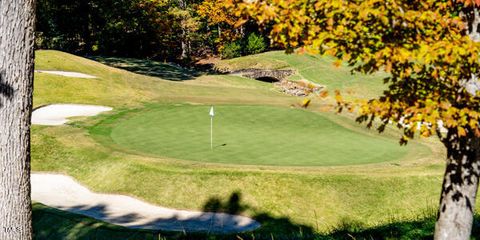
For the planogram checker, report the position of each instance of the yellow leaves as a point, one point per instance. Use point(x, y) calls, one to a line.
point(337, 63)
point(461, 131)
point(417, 69)
point(306, 102)
point(425, 131)
point(338, 97)
point(404, 140)
point(435, 74)
point(473, 123)
point(420, 46)
point(346, 57)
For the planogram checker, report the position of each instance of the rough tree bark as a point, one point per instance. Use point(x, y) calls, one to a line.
point(460, 181)
point(459, 189)
point(16, 85)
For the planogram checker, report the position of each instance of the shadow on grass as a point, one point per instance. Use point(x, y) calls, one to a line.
point(167, 71)
point(54, 224)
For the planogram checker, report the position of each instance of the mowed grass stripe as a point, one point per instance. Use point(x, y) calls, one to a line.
point(250, 135)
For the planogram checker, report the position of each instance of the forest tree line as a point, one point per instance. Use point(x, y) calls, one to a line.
point(170, 30)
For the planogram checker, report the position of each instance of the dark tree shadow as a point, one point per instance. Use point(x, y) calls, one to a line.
point(167, 71)
point(231, 206)
point(422, 228)
point(279, 227)
point(55, 224)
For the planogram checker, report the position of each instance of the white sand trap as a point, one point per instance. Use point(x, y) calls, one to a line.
point(57, 114)
point(67, 74)
point(64, 193)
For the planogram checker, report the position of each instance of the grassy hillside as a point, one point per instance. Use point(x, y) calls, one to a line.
point(287, 200)
point(314, 68)
point(120, 88)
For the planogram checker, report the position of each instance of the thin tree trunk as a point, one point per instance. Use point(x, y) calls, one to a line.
point(184, 54)
point(184, 41)
point(459, 189)
point(16, 85)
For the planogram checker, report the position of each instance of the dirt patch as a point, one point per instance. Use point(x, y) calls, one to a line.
point(301, 88)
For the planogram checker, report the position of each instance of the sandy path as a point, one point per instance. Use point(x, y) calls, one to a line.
point(64, 193)
point(67, 74)
point(57, 114)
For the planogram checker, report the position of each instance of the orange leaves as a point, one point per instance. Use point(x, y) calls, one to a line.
point(323, 94)
point(337, 63)
point(240, 22)
point(470, 2)
point(338, 97)
point(421, 45)
point(388, 66)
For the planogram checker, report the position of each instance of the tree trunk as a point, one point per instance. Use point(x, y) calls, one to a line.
point(16, 85)
point(460, 184)
point(184, 54)
point(184, 41)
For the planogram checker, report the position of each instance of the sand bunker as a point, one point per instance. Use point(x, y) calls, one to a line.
point(65, 193)
point(67, 74)
point(57, 114)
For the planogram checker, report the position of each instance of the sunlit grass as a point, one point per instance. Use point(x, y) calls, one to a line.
point(322, 198)
point(253, 135)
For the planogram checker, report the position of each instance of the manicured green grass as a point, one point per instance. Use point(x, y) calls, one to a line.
point(253, 135)
point(318, 199)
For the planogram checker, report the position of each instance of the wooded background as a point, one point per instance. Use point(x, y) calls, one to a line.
point(167, 30)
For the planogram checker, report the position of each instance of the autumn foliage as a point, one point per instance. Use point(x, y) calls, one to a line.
point(219, 16)
point(421, 44)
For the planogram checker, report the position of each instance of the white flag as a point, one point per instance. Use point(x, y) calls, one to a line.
point(212, 113)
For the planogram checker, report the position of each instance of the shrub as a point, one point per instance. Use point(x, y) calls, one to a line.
point(231, 50)
point(255, 44)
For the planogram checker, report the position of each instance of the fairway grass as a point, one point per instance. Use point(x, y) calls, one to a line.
point(103, 153)
point(248, 135)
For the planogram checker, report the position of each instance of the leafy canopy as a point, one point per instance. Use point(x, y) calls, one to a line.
point(218, 14)
point(422, 45)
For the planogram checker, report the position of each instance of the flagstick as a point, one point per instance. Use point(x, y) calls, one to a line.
point(212, 114)
point(211, 132)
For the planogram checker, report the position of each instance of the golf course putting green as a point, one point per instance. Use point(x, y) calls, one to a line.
point(249, 135)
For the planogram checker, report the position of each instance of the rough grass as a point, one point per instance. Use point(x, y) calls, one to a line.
point(289, 201)
point(73, 226)
point(314, 68)
point(120, 88)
